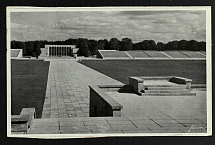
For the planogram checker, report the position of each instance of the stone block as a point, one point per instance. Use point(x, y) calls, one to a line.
point(116, 113)
point(137, 84)
point(180, 80)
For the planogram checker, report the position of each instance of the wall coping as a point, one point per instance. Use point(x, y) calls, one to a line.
point(110, 86)
point(114, 104)
point(19, 118)
point(138, 79)
point(180, 79)
point(185, 79)
point(157, 77)
point(25, 115)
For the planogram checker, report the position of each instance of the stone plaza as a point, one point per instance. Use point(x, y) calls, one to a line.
point(67, 106)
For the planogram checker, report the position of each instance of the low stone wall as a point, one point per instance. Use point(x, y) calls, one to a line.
point(22, 122)
point(156, 78)
point(180, 80)
point(101, 104)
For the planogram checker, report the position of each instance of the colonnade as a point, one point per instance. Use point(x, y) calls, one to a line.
point(60, 50)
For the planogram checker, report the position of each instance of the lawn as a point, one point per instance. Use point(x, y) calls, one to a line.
point(28, 85)
point(121, 69)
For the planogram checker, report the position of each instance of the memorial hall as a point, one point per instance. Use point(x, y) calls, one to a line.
point(60, 50)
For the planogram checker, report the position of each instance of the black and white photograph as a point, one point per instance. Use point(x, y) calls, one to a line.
point(77, 72)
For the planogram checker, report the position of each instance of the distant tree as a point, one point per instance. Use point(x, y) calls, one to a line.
point(171, 45)
point(101, 45)
point(153, 45)
point(146, 45)
point(174, 45)
point(139, 46)
point(71, 41)
point(83, 48)
point(202, 46)
point(13, 44)
point(166, 46)
point(183, 45)
point(114, 44)
point(136, 46)
point(93, 47)
point(29, 47)
point(193, 45)
point(160, 46)
point(42, 43)
point(59, 42)
point(143, 45)
point(126, 44)
point(106, 47)
point(37, 50)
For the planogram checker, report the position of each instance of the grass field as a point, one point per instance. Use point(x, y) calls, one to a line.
point(28, 85)
point(121, 69)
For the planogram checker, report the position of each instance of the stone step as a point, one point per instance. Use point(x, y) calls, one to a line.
point(153, 86)
point(170, 94)
point(166, 88)
point(167, 91)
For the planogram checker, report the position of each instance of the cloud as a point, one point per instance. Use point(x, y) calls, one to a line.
point(18, 26)
point(158, 12)
point(138, 25)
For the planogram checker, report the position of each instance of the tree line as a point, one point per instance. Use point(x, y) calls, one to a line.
point(91, 46)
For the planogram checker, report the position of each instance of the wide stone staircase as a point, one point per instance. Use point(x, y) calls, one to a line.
point(161, 86)
point(166, 90)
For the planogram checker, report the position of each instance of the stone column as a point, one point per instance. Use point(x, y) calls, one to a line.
point(49, 50)
point(56, 51)
point(52, 50)
point(61, 51)
point(70, 50)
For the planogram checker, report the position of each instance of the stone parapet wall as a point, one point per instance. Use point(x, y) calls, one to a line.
point(101, 104)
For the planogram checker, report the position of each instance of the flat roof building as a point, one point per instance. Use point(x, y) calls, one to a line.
point(60, 50)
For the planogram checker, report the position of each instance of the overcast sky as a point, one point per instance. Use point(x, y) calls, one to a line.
point(161, 26)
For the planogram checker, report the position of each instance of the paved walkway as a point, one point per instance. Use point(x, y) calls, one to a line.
point(67, 93)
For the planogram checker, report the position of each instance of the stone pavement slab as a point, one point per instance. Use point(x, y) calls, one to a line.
point(163, 112)
point(89, 125)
